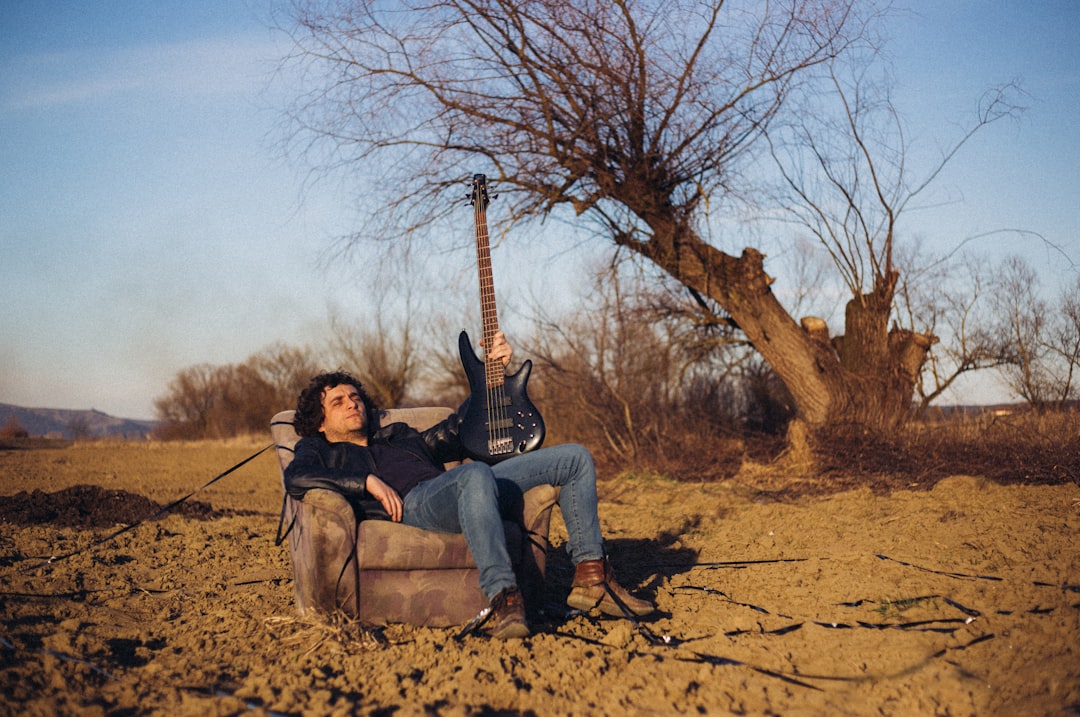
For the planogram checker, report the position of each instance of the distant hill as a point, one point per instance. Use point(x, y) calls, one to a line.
point(67, 423)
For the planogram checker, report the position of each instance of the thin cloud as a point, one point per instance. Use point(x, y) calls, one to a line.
point(197, 69)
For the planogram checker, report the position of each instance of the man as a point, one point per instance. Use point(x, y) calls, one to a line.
point(344, 448)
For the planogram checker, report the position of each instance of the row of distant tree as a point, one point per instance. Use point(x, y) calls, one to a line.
point(626, 377)
point(638, 369)
point(12, 428)
point(996, 317)
point(220, 401)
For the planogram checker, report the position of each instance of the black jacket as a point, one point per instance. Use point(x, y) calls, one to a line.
point(344, 467)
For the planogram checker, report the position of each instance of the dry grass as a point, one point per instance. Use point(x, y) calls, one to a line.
point(1018, 448)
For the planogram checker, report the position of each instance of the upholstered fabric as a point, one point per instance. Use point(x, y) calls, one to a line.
point(384, 572)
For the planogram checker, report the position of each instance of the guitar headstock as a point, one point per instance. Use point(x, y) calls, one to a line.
point(479, 197)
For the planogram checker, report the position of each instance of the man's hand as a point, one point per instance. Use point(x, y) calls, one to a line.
point(387, 496)
point(500, 349)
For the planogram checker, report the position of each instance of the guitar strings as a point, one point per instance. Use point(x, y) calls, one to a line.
point(499, 438)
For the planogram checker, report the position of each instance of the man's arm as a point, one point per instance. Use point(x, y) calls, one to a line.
point(342, 468)
point(388, 497)
point(443, 440)
point(317, 464)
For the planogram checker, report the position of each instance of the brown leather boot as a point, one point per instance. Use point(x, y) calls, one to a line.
point(592, 579)
point(508, 615)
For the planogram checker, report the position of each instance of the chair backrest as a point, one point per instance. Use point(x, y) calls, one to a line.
point(285, 437)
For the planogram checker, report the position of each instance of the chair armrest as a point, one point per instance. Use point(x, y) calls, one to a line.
point(536, 514)
point(322, 541)
point(330, 501)
point(536, 519)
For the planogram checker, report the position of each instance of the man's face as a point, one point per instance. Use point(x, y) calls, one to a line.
point(344, 416)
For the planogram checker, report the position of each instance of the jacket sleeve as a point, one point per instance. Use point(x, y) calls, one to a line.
point(444, 439)
point(318, 464)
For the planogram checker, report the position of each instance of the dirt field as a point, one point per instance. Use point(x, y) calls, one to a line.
point(960, 599)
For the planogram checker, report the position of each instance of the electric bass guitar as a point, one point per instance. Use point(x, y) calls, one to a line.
point(499, 421)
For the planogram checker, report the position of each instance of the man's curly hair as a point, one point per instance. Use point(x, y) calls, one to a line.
point(309, 411)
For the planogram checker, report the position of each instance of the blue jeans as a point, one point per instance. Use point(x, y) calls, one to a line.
point(473, 498)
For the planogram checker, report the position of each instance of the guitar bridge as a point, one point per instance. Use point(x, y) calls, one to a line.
point(500, 446)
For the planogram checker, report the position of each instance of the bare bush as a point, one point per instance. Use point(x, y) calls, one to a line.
point(1044, 341)
point(286, 369)
point(207, 401)
point(12, 428)
point(383, 358)
point(651, 382)
point(951, 296)
point(1008, 446)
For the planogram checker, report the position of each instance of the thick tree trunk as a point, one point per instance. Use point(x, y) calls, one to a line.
point(865, 377)
point(881, 365)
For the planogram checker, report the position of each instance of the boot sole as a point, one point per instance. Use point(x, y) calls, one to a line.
point(605, 606)
point(513, 631)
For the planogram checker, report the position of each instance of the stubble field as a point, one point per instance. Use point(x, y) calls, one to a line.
point(960, 598)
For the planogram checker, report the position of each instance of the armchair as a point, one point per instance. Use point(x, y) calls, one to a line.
point(382, 572)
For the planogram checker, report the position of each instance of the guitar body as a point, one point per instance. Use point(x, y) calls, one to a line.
point(500, 421)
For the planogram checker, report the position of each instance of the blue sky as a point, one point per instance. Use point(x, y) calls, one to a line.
point(150, 223)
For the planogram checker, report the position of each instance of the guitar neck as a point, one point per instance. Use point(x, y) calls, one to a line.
point(494, 372)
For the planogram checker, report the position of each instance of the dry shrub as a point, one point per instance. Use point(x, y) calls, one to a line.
point(1013, 447)
point(326, 633)
point(1016, 447)
point(1021, 447)
point(13, 429)
point(690, 433)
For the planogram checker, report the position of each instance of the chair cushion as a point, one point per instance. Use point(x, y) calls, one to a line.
point(434, 598)
point(382, 545)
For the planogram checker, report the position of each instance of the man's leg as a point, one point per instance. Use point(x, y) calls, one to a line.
point(571, 467)
point(464, 500)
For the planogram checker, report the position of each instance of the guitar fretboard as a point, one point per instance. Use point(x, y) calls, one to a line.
point(493, 368)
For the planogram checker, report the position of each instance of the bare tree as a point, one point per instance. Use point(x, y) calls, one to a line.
point(949, 297)
point(608, 362)
point(638, 377)
point(1025, 321)
point(286, 369)
point(383, 358)
point(636, 115)
point(443, 380)
point(244, 402)
point(185, 409)
point(847, 180)
point(1065, 339)
point(208, 401)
